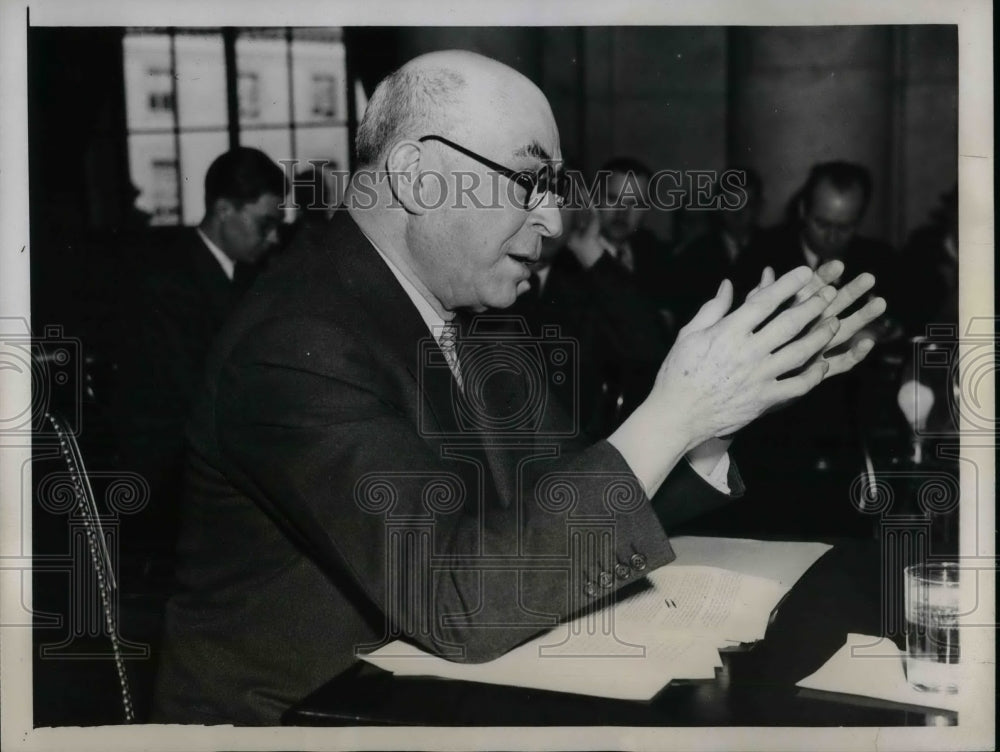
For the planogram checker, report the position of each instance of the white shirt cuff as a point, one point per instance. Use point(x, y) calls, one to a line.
point(711, 461)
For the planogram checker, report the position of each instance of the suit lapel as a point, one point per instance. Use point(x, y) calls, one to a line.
point(403, 331)
point(401, 328)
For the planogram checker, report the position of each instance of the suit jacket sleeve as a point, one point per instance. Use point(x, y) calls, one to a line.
point(335, 457)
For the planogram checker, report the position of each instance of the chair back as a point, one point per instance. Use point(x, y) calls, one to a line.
point(100, 558)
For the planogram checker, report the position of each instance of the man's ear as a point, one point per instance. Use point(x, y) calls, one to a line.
point(801, 204)
point(403, 164)
point(223, 207)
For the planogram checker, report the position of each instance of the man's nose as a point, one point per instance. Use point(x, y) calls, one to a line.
point(547, 218)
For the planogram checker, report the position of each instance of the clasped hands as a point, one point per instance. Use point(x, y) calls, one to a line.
point(728, 368)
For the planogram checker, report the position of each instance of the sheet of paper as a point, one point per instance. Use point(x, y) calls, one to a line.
point(720, 592)
point(781, 561)
point(873, 674)
point(728, 606)
point(631, 664)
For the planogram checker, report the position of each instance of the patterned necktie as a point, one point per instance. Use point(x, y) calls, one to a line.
point(447, 338)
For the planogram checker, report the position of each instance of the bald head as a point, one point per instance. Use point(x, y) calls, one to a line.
point(452, 92)
point(444, 149)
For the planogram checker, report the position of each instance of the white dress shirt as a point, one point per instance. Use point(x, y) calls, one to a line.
point(436, 323)
point(227, 264)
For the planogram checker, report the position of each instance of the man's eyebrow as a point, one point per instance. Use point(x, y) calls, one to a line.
point(534, 149)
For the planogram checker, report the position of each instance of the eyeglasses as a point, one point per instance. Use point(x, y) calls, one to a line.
point(535, 185)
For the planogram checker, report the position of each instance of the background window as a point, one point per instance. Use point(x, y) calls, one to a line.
point(290, 101)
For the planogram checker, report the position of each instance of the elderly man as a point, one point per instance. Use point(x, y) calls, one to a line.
point(352, 480)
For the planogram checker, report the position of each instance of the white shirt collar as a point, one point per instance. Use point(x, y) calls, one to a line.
point(434, 321)
point(227, 264)
point(543, 276)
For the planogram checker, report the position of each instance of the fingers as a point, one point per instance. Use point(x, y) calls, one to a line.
point(849, 293)
point(766, 279)
point(830, 271)
point(858, 320)
point(799, 353)
point(826, 274)
point(712, 311)
point(748, 316)
point(789, 323)
point(796, 386)
point(846, 361)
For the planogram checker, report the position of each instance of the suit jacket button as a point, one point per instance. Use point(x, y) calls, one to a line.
point(622, 571)
point(605, 580)
point(638, 562)
point(590, 589)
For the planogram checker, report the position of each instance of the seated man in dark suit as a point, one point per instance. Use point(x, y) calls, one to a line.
point(186, 286)
point(828, 211)
point(929, 270)
point(701, 263)
point(357, 475)
point(622, 206)
point(580, 286)
point(817, 437)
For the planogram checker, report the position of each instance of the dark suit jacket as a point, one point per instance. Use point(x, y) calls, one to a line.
point(621, 337)
point(341, 494)
point(929, 276)
point(809, 449)
point(177, 303)
point(781, 248)
point(652, 267)
point(697, 270)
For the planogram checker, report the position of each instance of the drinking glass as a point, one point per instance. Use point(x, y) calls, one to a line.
point(932, 650)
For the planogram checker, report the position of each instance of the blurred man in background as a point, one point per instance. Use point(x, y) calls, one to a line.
point(824, 221)
point(186, 285)
point(622, 208)
point(819, 436)
point(929, 271)
point(701, 263)
point(580, 285)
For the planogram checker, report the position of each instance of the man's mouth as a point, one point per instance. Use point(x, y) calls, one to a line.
point(525, 259)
